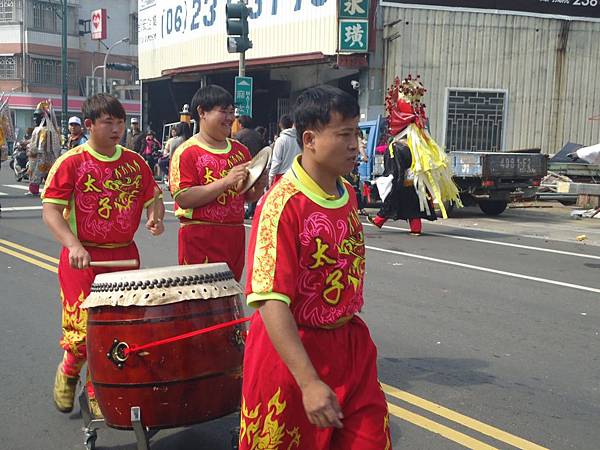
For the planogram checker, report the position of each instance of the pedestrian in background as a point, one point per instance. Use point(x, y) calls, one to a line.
point(76, 134)
point(150, 149)
point(133, 138)
point(254, 142)
point(285, 149)
point(179, 134)
point(248, 136)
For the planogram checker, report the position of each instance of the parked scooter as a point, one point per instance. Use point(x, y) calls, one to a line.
point(19, 162)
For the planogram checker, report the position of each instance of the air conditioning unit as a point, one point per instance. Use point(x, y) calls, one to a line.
point(113, 86)
point(93, 85)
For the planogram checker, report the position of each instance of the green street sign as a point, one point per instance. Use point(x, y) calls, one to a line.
point(354, 9)
point(243, 95)
point(354, 36)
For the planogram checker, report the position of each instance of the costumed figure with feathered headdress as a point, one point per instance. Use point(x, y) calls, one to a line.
point(44, 147)
point(7, 129)
point(416, 169)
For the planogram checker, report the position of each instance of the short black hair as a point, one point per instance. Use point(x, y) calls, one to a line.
point(286, 121)
point(99, 104)
point(246, 121)
point(207, 97)
point(314, 106)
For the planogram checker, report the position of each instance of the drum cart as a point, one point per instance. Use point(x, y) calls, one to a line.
point(157, 343)
point(143, 435)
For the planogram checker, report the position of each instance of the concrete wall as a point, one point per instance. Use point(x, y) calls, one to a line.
point(548, 68)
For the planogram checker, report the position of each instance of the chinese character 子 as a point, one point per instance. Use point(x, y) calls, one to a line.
point(353, 6)
point(354, 35)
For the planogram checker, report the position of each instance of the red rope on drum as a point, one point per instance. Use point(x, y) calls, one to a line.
point(138, 348)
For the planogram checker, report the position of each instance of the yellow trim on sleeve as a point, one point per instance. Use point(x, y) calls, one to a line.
point(265, 252)
point(56, 201)
point(254, 298)
point(73, 152)
point(181, 191)
point(174, 169)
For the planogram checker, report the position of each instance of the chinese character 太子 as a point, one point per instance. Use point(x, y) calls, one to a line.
point(353, 7)
point(354, 35)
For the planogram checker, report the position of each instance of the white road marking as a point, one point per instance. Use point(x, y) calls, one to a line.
point(3, 194)
point(21, 208)
point(17, 186)
point(486, 269)
point(480, 268)
point(505, 244)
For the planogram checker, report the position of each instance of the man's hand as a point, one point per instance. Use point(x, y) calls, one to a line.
point(79, 258)
point(155, 227)
point(236, 176)
point(321, 405)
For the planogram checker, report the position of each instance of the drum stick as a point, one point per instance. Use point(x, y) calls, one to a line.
point(116, 263)
point(155, 205)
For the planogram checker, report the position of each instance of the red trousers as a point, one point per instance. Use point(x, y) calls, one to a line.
point(211, 243)
point(273, 414)
point(75, 286)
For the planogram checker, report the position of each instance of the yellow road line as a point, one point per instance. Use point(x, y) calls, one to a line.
point(461, 419)
point(401, 413)
point(28, 259)
point(442, 430)
point(30, 251)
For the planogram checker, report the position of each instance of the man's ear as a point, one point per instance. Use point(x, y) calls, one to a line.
point(200, 112)
point(88, 123)
point(308, 140)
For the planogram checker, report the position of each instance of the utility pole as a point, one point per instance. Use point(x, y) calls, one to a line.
point(65, 80)
point(120, 41)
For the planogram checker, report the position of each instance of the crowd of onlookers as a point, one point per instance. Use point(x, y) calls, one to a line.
point(285, 145)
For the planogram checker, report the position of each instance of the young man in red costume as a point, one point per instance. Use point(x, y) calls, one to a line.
point(310, 375)
point(205, 174)
point(93, 202)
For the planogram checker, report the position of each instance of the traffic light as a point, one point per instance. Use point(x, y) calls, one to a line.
point(124, 67)
point(237, 27)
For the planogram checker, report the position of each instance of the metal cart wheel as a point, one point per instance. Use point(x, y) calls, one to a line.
point(90, 437)
point(235, 438)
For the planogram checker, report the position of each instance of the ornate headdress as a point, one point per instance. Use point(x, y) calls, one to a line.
point(403, 104)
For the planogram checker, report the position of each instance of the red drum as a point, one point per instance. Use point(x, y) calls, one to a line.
point(179, 383)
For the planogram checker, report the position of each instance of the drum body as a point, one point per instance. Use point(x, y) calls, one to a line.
point(178, 383)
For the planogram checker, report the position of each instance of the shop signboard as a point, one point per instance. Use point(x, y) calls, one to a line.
point(175, 34)
point(243, 95)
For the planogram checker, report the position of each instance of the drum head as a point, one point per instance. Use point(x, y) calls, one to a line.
point(162, 286)
point(256, 168)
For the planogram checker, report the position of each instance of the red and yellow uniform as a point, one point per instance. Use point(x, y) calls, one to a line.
point(104, 199)
point(213, 232)
point(307, 249)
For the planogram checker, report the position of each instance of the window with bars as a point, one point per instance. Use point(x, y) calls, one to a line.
point(133, 29)
point(47, 72)
point(475, 120)
point(8, 67)
point(7, 11)
point(47, 17)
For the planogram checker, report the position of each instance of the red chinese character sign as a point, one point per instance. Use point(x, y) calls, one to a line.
point(98, 24)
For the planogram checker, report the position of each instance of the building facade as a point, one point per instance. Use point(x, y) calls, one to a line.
point(500, 79)
point(296, 44)
point(30, 54)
